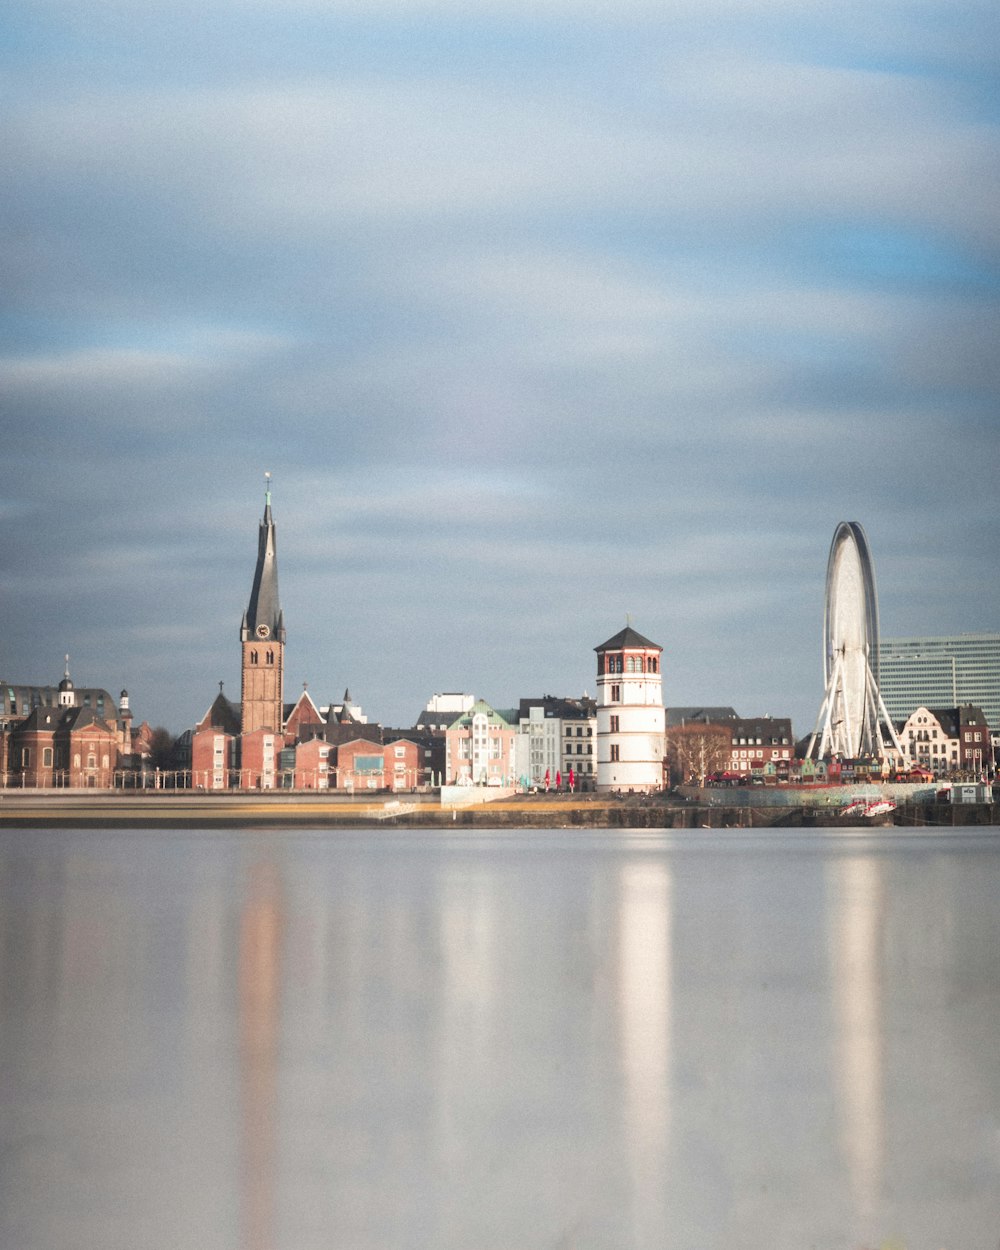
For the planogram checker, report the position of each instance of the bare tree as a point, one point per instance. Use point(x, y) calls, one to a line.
point(695, 750)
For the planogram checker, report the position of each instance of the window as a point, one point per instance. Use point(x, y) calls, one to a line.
point(253, 657)
point(614, 753)
point(615, 724)
point(47, 757)
point(616, 694)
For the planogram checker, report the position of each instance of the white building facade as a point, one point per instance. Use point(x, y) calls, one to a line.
point(630, 715)
point(556, 742)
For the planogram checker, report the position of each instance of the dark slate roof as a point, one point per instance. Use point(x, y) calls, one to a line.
point(948, 719)
point(223, 714)
point(627, 637)
point(676, 716)
point(52, 719)
point(13, 698)
point(562, 709)
point(265, 608)
point(423, 734)
point(763, 726)
point(351, 730)
point(972, 716)
point(434, 720)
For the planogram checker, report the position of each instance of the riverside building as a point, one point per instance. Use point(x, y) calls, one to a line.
point(941, 672)
point(630, 715)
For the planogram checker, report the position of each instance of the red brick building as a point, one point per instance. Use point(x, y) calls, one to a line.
point(63, 737)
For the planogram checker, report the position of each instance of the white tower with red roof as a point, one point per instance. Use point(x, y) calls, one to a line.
point(630, 716)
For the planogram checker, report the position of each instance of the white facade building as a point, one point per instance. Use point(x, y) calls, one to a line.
point(556, 739)
point(630, 716)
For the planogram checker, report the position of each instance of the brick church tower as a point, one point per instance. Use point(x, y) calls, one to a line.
point(262, 635)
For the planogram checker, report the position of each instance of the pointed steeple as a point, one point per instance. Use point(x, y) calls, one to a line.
point(263, 619)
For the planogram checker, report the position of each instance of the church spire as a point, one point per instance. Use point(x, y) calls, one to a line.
point(263, 637)
point(263, 619)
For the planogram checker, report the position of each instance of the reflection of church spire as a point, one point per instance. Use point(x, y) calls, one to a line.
point(261, 928)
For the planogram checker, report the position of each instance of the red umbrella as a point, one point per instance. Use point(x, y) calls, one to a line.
point(546, 779)
point(572, 780)
point(558, 781)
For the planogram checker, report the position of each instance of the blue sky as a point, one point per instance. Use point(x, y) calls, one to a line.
point(539, 314)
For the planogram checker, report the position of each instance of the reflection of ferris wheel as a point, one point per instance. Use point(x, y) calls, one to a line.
point(852, 715)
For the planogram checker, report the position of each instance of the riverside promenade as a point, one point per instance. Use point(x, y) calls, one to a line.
point(187, 809)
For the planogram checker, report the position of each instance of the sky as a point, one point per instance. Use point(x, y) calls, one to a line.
point(543, 317)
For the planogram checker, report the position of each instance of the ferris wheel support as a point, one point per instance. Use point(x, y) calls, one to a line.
point(852, 721)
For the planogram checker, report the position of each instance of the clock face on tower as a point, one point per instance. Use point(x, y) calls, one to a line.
point(263, 631)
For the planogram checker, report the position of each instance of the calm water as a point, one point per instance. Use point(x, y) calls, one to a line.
point(499, 1041)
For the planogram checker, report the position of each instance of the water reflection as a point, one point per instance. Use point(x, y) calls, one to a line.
point(260, 993)
point(644, 1006)
point(373, 1041)
point(856, 917)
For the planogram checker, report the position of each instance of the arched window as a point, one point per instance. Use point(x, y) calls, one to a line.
point(270, 657)
point(253, 657)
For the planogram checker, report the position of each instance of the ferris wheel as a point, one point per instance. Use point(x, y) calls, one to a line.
point(853, 721)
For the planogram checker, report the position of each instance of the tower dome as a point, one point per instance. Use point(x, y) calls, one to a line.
point(67, 691)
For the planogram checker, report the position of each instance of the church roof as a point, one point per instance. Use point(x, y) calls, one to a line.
point(264, 611)
point(627, 637)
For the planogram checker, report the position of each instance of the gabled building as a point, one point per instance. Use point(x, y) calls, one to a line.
point(303, 720)
point(758, 741)
point(213, 750)
point(479, 748)
point(948, 740)
point(63, 736)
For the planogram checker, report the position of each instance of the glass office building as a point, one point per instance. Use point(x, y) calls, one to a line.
point(941, 672)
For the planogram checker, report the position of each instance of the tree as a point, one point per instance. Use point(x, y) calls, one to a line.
point(161, 748)
point(695, 750)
